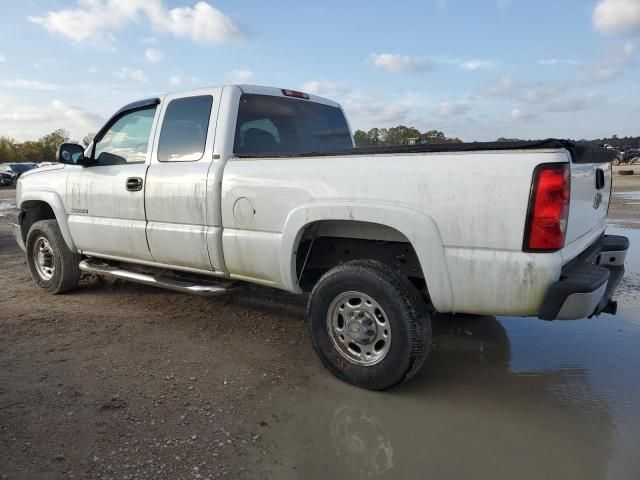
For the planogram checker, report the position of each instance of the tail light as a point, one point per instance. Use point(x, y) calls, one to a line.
point(548, 211)
point(294, 94)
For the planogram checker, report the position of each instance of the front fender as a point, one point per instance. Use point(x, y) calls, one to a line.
point(417, 227)
point(54, 200)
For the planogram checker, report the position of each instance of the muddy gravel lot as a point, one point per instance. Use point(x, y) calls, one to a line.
point(120, 381)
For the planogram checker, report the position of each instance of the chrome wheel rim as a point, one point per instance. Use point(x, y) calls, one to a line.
point(43, 258)
point(359, 328)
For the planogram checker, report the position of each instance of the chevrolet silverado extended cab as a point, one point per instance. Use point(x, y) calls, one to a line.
point(199, 190)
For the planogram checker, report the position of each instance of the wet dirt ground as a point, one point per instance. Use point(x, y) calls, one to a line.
point(121, 381)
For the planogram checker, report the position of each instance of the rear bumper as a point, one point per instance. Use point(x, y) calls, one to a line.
point(587, 283)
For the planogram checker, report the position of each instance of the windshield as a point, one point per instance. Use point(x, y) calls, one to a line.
point(268, 124)
point(22, 167)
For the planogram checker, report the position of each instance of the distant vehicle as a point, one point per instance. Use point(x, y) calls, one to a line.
point(263, 185)
point(6, 179)
point(17, 168)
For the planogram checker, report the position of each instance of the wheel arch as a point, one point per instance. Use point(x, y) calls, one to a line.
point(36, 206)
point(416, 227)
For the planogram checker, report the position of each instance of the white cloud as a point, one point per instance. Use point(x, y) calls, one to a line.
point(79, 117)
point(154, 55)
point(478, 64)
point(330, 89)
point(94, 21)
point(447, 109)
point(551, 97)
point(93, 70)
point(506, 86)
point(2, 58)
point(557, 61)
point(136, 74)
point(203, 24)
point(610, 66)
point(175, 80)
point(26, 122)
point(370, 112)
point(395, 63)
point(519, 115)
point(23, 84)
point(617, 16)
point(470, 65)
point(25, 114)
point(240, 76)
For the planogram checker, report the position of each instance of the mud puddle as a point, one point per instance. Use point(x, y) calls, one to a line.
point(498, 398)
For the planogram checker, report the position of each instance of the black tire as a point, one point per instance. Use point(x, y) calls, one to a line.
point(65, 275)
point(406, 313)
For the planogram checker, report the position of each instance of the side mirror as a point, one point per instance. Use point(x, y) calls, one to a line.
point(71, 154)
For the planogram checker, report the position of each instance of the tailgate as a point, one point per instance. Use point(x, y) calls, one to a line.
point(590, 195)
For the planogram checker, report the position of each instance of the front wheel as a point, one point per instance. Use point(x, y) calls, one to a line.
point(52, 265)
point(369, 325)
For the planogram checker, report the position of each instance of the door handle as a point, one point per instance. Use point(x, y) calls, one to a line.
point(134, 184)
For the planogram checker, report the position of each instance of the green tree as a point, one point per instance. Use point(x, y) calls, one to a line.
point(402, 135)
point(49, 144)
point(8, 150)
point(434, 136)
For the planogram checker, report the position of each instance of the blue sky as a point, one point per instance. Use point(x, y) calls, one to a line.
point(476, 69)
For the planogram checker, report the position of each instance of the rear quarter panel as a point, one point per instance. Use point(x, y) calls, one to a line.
point(477, 201)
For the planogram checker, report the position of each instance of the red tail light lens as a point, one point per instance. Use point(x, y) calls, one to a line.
point(548, 208)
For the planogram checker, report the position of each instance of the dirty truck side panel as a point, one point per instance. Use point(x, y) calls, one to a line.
point(181, 224)
point(461, 197)
point(105, 216)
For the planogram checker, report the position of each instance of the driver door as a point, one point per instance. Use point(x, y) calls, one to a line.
point(106, 198)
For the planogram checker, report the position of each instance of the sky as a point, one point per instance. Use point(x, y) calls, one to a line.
point(475, 69)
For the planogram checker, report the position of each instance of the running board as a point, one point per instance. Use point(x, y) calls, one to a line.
point(204, 289)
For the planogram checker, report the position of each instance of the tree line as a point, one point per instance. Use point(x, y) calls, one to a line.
point(36, 151)
point(45, 148)
point(400, 135)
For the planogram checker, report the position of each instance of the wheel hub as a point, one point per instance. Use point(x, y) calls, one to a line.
point(359, 328)
point(43, 258)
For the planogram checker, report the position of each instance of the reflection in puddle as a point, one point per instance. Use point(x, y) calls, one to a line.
point(361, 442)
point(497, 398)
point(632, 198)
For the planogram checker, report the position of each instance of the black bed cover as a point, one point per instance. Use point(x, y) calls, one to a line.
point(579, 153)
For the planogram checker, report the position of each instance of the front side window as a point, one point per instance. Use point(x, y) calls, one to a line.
point(275, 125)
point(184, 129)
point(127, 140)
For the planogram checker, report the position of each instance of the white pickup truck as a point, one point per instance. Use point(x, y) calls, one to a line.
point(197, 190)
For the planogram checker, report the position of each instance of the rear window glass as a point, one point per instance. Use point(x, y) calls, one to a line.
point(268, 124)
point(184, 129)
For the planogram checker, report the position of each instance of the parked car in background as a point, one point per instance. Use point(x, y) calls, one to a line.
point(17, 169)
point(6, 179)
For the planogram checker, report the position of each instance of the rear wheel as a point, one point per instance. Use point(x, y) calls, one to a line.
point(369, 325)
point(52, 265)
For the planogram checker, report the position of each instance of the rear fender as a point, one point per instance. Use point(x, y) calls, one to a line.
point(417, 227)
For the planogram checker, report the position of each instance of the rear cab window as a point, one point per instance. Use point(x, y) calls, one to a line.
point(184, 129)
point(286, 126)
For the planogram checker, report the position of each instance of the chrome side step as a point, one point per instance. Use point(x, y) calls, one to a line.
point(202, 288)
